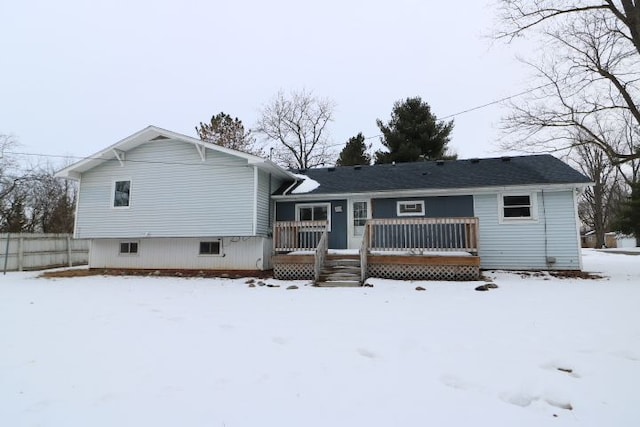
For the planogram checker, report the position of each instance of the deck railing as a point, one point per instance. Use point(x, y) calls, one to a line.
point(291, 236)
point(423, 234)
point(320, 255)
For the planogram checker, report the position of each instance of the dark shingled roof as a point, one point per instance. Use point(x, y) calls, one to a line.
point(447, 174)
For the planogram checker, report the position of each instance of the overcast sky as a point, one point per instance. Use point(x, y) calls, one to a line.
point(77, 76)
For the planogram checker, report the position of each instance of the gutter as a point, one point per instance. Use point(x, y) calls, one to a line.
point(434, 192)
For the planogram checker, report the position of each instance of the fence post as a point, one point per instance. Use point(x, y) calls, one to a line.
point(20, 252)
point(69, 250)
point(6, 254)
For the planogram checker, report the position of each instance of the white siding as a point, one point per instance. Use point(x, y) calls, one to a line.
point(527, 245)
point(238, 253)
point(173, 194)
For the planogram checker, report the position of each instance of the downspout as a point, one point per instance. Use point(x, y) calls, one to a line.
point(284, 193)
point(269, 204)
point(548, 260)
point(255, 200)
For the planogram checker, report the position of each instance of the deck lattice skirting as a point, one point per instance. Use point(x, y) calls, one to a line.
point(424, 272)
point(293, 267)
point(301, 267)
point(424, 267)
point(293, 271)
point(299, 271)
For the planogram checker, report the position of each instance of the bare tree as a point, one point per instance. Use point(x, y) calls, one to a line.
point(31, 198)
point(599, 203)
point(297, 124)
point(8, 165)
point(590, 69)
point(51, 202)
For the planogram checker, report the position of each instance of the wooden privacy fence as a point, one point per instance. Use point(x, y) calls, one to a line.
point(422, 234)
point(297, 235)
point(37, 251)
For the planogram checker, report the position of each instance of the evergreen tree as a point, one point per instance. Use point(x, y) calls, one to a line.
point(228, 132)
point(354, 153)
point(414, 133)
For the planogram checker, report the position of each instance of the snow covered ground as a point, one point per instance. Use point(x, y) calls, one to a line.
point(131, 351)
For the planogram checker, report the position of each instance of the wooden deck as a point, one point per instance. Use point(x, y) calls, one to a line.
point(400, 267)
point(397, 248)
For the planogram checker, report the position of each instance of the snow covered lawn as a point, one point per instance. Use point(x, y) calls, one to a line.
point(118, 351)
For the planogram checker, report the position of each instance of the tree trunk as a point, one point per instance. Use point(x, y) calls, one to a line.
point(598, 216)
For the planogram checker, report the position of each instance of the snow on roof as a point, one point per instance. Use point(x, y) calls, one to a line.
point(306, 186)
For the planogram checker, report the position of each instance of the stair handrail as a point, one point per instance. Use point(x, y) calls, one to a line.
point(364, 250)
point(320, 255)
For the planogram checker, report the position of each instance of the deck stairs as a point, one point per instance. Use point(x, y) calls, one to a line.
point(340, 271)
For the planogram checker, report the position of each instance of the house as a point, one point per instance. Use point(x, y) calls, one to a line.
point(159, 199)
point(589, 239)
point(611, 240)
point(509, 212)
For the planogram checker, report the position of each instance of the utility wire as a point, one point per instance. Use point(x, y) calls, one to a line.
point(479, 107)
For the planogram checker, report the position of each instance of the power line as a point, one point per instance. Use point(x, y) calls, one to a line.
point(479, 107)
point(497, 101)
point(100, 158)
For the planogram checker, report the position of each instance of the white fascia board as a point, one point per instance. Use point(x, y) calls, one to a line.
point(435, 192)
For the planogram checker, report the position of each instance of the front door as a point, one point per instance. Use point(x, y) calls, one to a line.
point(359, 213)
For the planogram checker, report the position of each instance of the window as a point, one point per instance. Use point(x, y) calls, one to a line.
point(410, 208)
point(314, 212)
point(517, 207)
point(122, 191)
point(128, 247)
point(210, 248)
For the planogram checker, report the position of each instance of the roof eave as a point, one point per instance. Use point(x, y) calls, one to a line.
point(436, 191)
point(150, 132)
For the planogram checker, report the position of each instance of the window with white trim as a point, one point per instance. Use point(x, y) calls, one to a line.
point(517, 207)
point(121, 194)
point(211, 247)
point(410, 208)
point(314, 212)
point(128, 248)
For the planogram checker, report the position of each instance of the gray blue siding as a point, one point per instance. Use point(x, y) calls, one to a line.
point(527, 245)
point(435, 207)
point(286, 211)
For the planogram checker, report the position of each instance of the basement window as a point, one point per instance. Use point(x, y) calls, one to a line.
point(213, 247)
point(128, 248)
point(410, 208)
